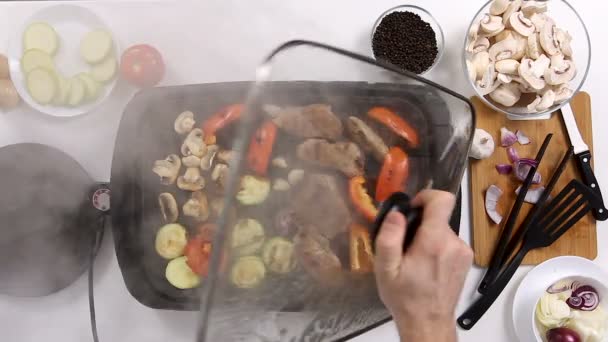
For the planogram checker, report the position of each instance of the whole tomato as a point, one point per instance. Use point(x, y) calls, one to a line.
point(142, 65)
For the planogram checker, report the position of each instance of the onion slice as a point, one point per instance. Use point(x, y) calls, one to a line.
point(533, 195)
point(493, 194)
point(504, 169)
point(507, 138)
point(522, 138)
point(512, 153)
point(584, 298)
point(522, 168)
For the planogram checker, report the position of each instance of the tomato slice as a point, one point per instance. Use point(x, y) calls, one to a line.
point(142, 65)
point(396, 123)
point(393, 175)
point(361, 199)
point(198, 254)
point(260, 148)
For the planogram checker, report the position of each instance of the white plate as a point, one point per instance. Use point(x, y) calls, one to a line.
point(71, 23)
point(536, 283)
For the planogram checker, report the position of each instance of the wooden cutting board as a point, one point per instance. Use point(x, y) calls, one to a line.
point(581, 240)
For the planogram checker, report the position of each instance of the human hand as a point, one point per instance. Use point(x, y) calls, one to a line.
point(421, 288)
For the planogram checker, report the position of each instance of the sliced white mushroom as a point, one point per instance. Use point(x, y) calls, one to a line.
point(514, 6)
point(197, 207)
point(471, 70)
point(184, 122)
point(488, 82)
point(547, 38)
point(506, 34)
point(541, 65)
point(520, 24)
point(547, 101)
point(528, 70)
point(481, 62)
point(279, 162)
point(539, 20)
point(168, 207)
point(507, 66)
point(207, 159)
point(563, 74)
point(522, 46)
point(504, 78)
point(499, 7)
point(220, 175)
point(507, 94)
point(524, 86)
point(225, 156)
point(191, 180)
point(531, 7)
point(168, 169)
point(491, 25)
point(191, 161)
point(194, 144)
point(506, 49)
point(473, 32)
point(532, 106)
point(534, 49)
point(281, 185)
point(564, 40)
point(295, 176)
point(557, 61)
point(478, 45)
point(562, 93)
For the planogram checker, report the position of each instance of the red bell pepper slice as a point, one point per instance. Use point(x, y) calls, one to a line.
point(198, 255)
point(261, 146)
point(393, 175)
point(361, 253)
point(361, 199)
point(396, 123)
point(220, 120)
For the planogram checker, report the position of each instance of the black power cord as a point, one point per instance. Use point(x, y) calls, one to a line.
point(97, 239)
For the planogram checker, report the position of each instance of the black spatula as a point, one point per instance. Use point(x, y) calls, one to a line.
point(555, 219)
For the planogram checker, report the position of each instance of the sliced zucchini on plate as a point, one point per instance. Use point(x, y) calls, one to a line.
point(78, 92)
point(41, 36)
point(96, 46)
point(179, 274)
point(42, 85)
point(248, 272)
point(278, 255)
point(171, 241)
point(36, 58)
point(247, 237)
point(93, 88)
point(104, 71)
point(63, 93)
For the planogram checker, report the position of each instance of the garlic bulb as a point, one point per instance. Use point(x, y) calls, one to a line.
point(483, 145)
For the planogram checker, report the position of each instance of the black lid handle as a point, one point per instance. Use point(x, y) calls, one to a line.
point(402, 203)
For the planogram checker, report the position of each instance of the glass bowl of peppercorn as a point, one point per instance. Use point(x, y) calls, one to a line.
point(408, 37)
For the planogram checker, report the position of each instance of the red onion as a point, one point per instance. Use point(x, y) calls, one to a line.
point(575, 302)
point(504, 169)
point(553, 289)
point(492, 196)
point(507, 138)
point(533, 195)
point(528, 161)
point(512, 153)
point(522, 138)
point(562, 335)
point(522, 168)
point(584, 298)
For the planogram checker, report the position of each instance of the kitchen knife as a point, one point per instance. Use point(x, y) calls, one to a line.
point(583, 159)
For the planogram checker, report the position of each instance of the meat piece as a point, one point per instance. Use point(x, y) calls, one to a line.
point(314, 253)
point(314, 121)
point(343, 156)
point(318, 202)
point(366, 138)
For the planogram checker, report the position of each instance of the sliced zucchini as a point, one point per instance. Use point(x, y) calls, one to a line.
point(63, 94)
point(77, 92)
point(278, 255)
point(247, 237)
point(248, 272)
point(42, 85)
point(35, 58)
point(93, 88)
point(179, 274)
point(41, 36)
point(253, 190)
point(171, 241)
point(96, 46)
point(104, 71)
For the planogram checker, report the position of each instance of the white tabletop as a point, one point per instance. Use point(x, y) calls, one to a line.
point(235, 36)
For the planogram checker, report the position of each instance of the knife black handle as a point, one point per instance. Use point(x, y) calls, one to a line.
point(400, 202)
point(583, 161)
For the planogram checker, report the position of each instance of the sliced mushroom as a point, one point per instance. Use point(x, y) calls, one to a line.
point(168, 169)
point(197, 207)
point(168, 207)
point(524, 86)
point(191, 161)
point(547, 38)
point(478, 45)
point(521, 24)
point(562, 93)
point(564, 40)
point(507, 94)
point(220, 175)
point(499, 7)
point(481, 62)
point(194, 144)
point(529, 71)
point(562, 74)
point(217, 206)
point(281, 185)
point(471, 70)
point(488, 82)
point(539, 20)
point(295, 176)
point(184, 122)
point(514, 6)
point(504, 78)
point(547, 101)
point(491, 25)
point(506, 34)
point(532, 106)
point(522, 46)
point(225, 156)
point(504, 50)
point(507, 66)
point(279, 162)
point(474, 32)
point(531, 7)
point(557, 62)
point(207, 159)
point(191, 180)
point(534, 49)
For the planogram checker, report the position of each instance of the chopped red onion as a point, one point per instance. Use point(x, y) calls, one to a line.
point(512, 153)
point(522, 168)
point(504, 169)
point(493, 194)
point(522, 138)
point(507, 138)
point(533, 195)
point(584, 298)
point(528, 161)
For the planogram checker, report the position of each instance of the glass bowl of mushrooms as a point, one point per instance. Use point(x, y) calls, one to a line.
point(527, 58)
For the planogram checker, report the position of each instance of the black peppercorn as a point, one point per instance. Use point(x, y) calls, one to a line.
point(405, 40)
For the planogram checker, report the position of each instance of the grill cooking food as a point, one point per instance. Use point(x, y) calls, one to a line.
point(312, 177)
